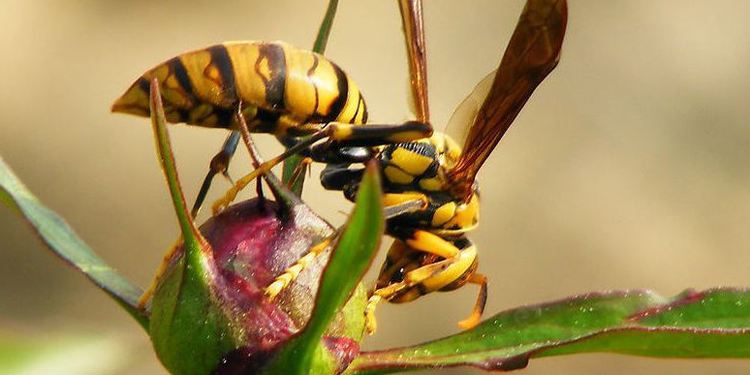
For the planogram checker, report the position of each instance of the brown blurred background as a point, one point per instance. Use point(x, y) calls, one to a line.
point(627, 168)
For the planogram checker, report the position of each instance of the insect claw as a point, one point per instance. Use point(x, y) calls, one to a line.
point(471, 321)
point(228, 177)
point(371, 323)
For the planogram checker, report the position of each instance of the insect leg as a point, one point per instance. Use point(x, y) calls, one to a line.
point(291, 273)
point(302, 167)
point(265, 167)
point(411, 279)
point(476, 313)
point(427, 242)
point(219, 164)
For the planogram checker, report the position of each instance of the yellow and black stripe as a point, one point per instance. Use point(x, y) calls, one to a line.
point(280, 87)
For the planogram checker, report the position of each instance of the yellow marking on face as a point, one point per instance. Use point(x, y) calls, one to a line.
point(397, 176)
point(392, 199)
point(410, 162)
point(432, 243)
point(443, 214)
point(431, 184)
point(453, 272)
point(249, 85)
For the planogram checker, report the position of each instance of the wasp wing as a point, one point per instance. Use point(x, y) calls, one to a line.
point(464, 115)
point(532, 53)
point(413, 24)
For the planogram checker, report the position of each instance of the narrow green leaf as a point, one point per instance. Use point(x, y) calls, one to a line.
point(351, 257)
point(194, 241)
point(189, 330)
point(321, 41)
point(59, 237)
point(709, 324)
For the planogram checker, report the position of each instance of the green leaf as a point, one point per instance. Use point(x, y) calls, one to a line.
point(196, 246)
point(352, 255)
point(709, 324)
point(59, 237)
point(321, 41)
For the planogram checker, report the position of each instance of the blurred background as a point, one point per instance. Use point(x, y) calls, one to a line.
point(626, 169)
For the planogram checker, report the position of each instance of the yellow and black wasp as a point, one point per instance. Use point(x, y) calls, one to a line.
point(431, 251)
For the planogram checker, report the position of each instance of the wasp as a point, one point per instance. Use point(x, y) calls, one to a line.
point(431, 251)
point(282, 90)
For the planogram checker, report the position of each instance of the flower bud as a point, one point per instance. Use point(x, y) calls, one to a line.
point(210, 313)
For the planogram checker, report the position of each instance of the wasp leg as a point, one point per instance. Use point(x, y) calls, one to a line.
point(219, 164)
point(302, 167)
point(411, 279)
point(419, 240)
point(476, 313)
point(263, 168)
point(426, 242)
point(291, 273)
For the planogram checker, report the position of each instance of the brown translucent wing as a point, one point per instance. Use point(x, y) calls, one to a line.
point(413, 23)
point(532, 53)
point(459, 124)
